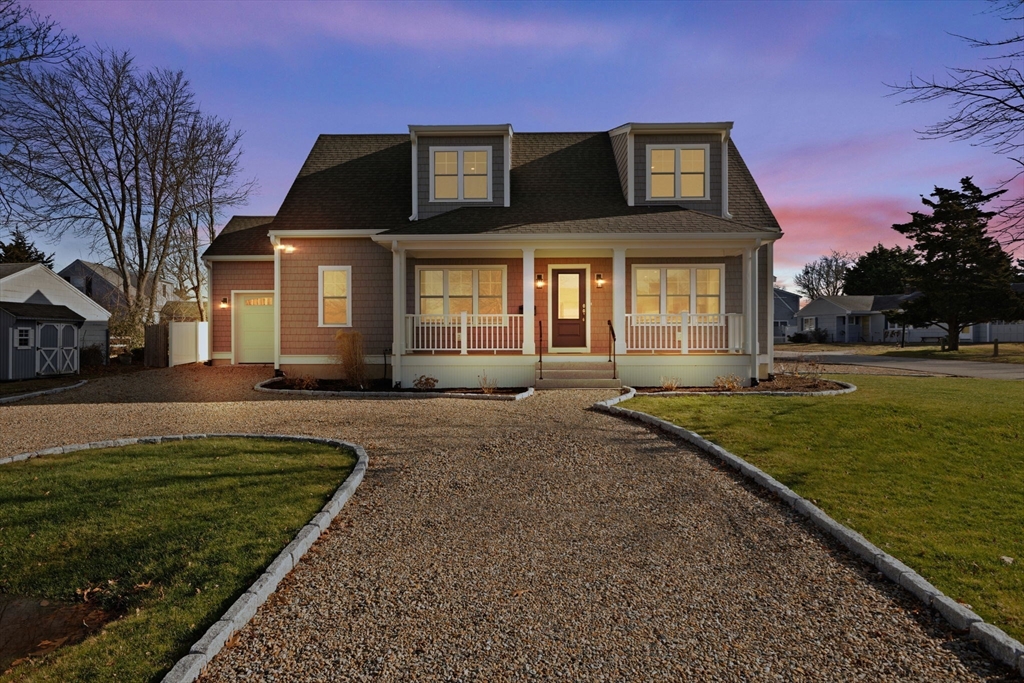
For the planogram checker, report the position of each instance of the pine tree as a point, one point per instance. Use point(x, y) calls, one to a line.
point(20, 250)
point(880, 271)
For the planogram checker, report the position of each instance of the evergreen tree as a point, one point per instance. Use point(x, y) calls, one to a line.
point(963, 274)
point(20, 250)
point(880, 271)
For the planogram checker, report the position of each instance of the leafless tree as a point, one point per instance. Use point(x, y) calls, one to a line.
point(825, 276)
point(25, 37)
point(987, 108)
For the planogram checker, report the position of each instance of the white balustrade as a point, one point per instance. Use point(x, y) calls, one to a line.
point(684, 332)
point(464, 332)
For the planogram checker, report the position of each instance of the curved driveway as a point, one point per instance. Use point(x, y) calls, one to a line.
point(532, 540)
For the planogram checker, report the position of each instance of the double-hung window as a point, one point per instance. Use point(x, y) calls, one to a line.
point(678, 172)
point(670, 290)
point(452, 291)
point(460, 174)
point(335, 296)
point(808, 324)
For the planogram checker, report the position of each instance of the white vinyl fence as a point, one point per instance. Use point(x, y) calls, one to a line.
point(187, 343)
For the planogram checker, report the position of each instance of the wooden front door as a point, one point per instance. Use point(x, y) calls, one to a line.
point(569, 299)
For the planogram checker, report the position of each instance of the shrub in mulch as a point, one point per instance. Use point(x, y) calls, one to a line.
point(777, 383)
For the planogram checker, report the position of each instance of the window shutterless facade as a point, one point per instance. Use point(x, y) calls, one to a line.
point(678, 172)
point(335, 285)
point(460, 174)
point(478, 290)
point(675, 289)
point(23, 337)
point(808, 324)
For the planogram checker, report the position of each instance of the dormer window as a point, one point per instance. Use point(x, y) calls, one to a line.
point(460, 174)
point(677, 172)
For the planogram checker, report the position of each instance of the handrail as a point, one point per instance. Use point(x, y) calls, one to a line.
point(540, 347)
point(612, 356)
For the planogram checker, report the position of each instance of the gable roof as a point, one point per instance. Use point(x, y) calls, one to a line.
point(236, 223)
point(247, 242)
point(40, 312)
point(857, 305)
point(8, 269)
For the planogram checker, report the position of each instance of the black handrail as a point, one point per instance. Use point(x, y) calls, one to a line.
point(612, 356)
point(540, 348)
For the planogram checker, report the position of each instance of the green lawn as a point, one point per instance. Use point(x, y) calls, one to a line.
point(1009, 352)
point(26, 386)
point(171, 534)
point(930, 469)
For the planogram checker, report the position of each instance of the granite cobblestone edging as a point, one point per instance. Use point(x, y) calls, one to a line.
point(998, 644)
point(44, 392)
point(189, 667)
point(378, 395)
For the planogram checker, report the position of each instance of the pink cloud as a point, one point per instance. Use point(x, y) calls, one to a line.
point(436, 27)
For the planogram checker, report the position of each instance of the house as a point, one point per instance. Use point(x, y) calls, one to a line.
point(787, 304)
point(34, 283)
point(38, 340)
point(469, 249)
point(103, 285)
point(851, 319)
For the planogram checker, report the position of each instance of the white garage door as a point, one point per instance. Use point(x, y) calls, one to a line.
point(254, 327)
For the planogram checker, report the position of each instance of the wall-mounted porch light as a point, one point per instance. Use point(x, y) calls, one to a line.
point(286, 248)
point(600, 280)
point(224, 302)
point(540, 280)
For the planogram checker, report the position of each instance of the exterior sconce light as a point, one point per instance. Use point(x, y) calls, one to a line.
point(286, 248)
point(600, 281)
point(540, 281)
point(224, 302)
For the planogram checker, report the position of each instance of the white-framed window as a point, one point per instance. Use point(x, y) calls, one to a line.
point(460, 174)
point(678, 172)
point(24, 337)
point(674, 289)
point(450, 290)
point(335, 296)
point(808, 324)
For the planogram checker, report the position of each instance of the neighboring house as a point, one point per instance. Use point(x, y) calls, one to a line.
point(103, 285)
point(787, 304)
point(457, 251)
point(38, 340)
point(851, 319)
point(34, 283)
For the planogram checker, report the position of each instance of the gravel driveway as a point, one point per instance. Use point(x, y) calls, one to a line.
point(514, 541)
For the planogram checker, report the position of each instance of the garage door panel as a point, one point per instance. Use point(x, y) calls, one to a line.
point(254, 326)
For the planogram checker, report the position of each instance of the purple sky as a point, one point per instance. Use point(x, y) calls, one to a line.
point(804, 82)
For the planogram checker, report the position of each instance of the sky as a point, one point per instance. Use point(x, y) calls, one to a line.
point(837, 159)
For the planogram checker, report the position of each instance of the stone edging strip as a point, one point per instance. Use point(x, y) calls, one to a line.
point(847, 389)
point(20, 397)
point(391, 394)
point(1000, 645)
point(188, 668)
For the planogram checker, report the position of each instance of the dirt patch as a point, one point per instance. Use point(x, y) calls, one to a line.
point(779, 383)
point(30, 627)
point(305, 384)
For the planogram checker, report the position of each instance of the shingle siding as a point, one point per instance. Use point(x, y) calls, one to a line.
point(234, 275)
point(712, 206)
point(496, 143)
point(620, 145)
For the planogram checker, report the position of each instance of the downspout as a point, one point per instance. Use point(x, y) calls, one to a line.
point(210, 309)
point(276, 241)
point(415, 179)
point(397, 312)
point(725, 175)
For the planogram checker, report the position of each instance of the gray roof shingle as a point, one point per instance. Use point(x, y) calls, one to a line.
point(8, 269)
point(40, 312)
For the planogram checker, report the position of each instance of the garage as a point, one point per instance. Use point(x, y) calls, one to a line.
point(254, 327)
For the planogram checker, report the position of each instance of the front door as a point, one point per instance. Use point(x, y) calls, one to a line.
point(569, 298)
point(255, 327)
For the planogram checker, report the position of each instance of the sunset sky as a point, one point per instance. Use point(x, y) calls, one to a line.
point(837, 160)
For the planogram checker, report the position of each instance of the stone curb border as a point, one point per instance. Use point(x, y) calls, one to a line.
point(1000, 645)
point(188, 668)
point(371, 395)
point(20, 397)
point(847, 389)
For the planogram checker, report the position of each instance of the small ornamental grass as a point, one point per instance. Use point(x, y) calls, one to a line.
point(930, 469)
point(166, 535)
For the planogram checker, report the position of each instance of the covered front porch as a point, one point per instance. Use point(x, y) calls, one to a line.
point(657, 308)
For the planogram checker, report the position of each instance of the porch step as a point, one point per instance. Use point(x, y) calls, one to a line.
point(603, 373)
point(581, 365)
point(569, 383)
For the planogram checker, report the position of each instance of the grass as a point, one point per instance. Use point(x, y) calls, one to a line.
point(170, 534)
point(1009, 352)
point(930, 469)
point(26, 386)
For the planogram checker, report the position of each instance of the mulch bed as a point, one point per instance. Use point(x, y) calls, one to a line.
point(778, 383)
point(338, 385)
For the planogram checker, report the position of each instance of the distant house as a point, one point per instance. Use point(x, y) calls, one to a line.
point(103, 285)
point(787, 304)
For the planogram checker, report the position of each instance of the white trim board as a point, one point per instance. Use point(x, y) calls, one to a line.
point(320, 295)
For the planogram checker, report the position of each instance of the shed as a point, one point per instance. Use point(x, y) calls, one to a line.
point(38, 340)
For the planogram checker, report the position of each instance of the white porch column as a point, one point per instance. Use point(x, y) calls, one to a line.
point(748, 309)
point(619, 298)
point(277, 308)
point(769, 283)
point(529, 333)
point(397, 310)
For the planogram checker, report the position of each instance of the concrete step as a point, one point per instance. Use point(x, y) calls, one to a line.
point(578, 365)
point(577, 383)
point(603, 373)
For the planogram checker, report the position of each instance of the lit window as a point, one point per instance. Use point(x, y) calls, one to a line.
point(451, 291)
point(669, 290)
point(677, 171)
point(460, 174)
point(335, 296)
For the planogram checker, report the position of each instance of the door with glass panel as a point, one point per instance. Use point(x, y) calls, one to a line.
point(569, 298)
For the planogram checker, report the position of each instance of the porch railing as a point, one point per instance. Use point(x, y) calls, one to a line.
point(464, 332)
point(685, 332)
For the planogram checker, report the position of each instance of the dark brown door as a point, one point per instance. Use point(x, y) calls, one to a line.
point(569, 298)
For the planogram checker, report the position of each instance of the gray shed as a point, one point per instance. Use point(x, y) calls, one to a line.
point(38, 340)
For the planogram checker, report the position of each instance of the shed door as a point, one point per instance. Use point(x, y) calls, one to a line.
point(254, 327)
point(56, 349)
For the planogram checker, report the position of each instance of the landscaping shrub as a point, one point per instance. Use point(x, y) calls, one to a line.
point(91, 356)
point(424, 383)
point(305, 383)
point(728, 382)
point(349, 354)
point(669, 383)
point(488, 386)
